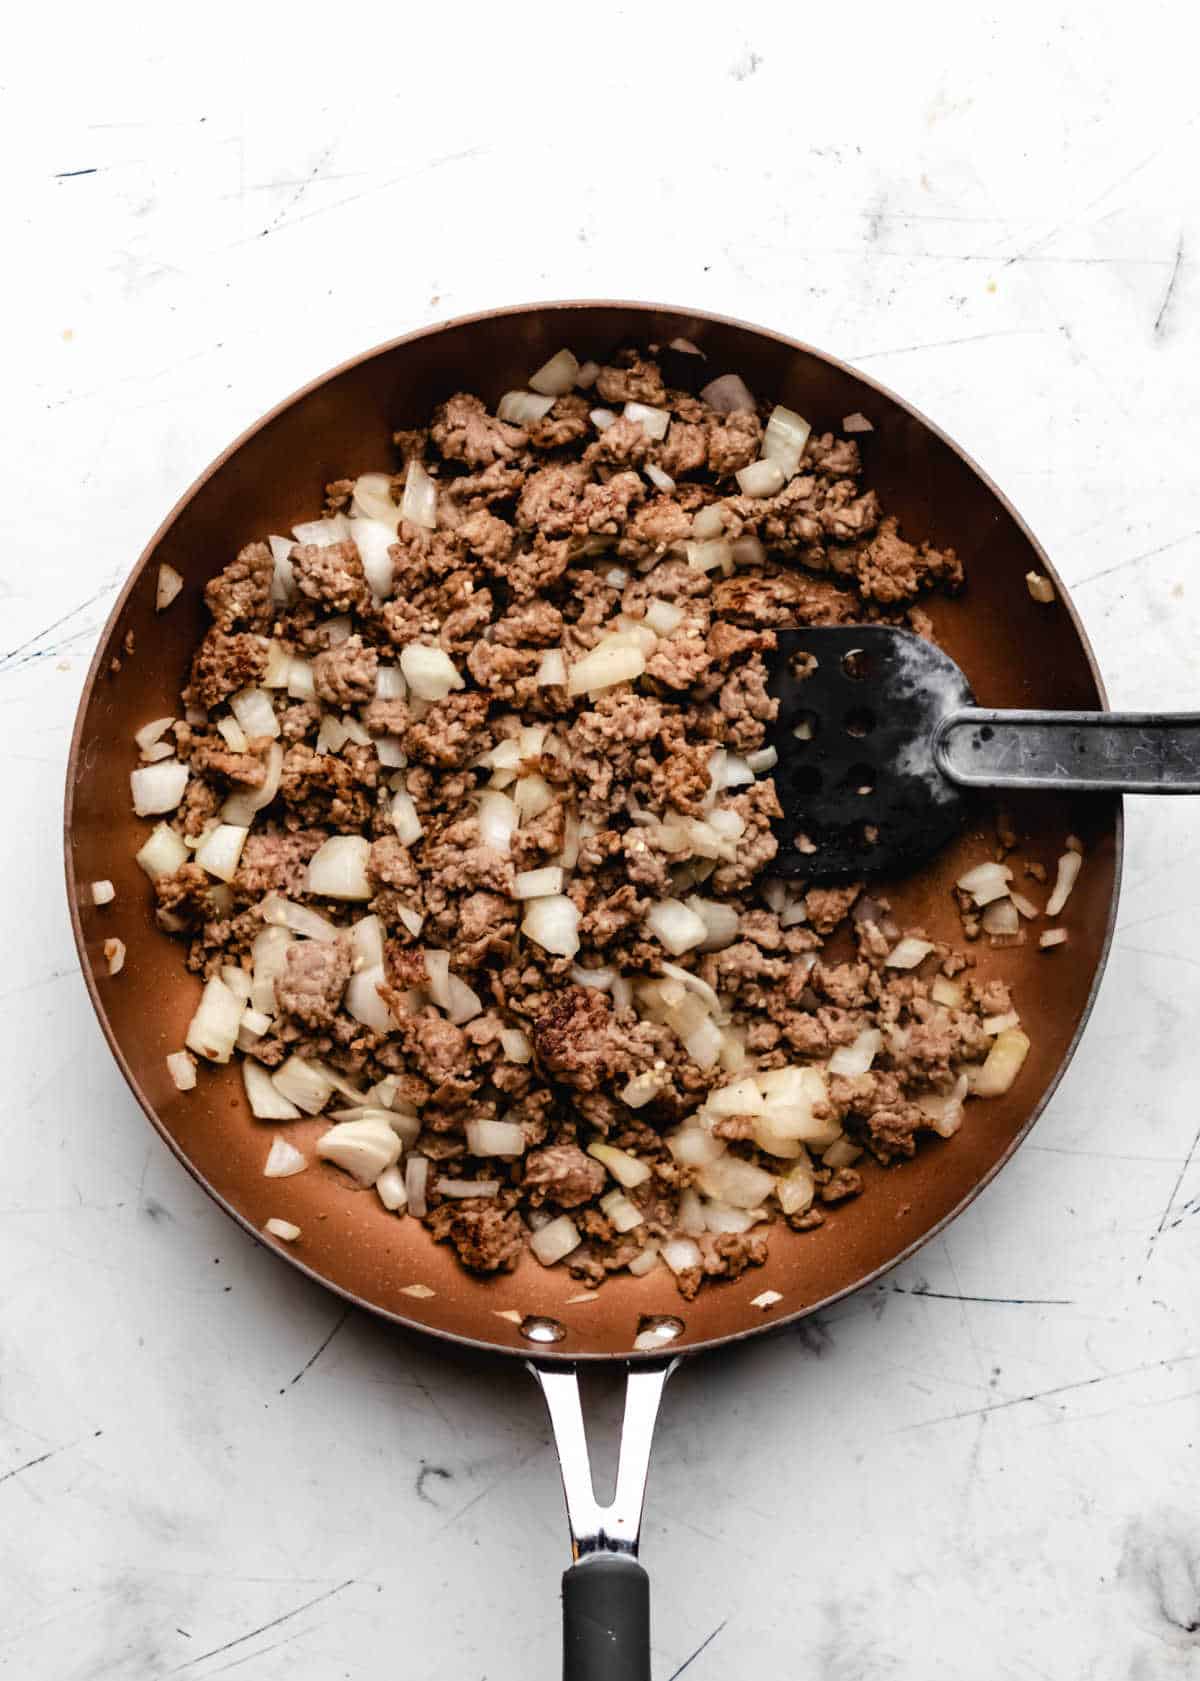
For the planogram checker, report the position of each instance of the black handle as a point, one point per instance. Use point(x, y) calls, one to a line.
point(606, 1619)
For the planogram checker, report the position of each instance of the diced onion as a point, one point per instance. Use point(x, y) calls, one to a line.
point(537, 884)
point(182, 1069)
point(103, 893)
point(495, 1138)
point(1026, 906)
point(300, 684)
point(416, 1182)
point(552, 670)
point(729, 394)
point(373, 539)
point(664, 616)
point(429, 672)
point(739, 1097)
point(986, 882)
point(497, 820)
point(279, 668)
point(1000, 917)
point(690, 1217)
point(645, 1262)
point(1069, 866)
point(412, 920)
point(796, 1190)
point(221, 849)
point(389, 1188)
point(676, 926)
point(168, 587)
point(945, 991)
point(254, 712)
point(282, 1229)
point(720, 922)
point(269, 952)
point(1003, 1063)
point(625, 1216)
point(856, 423)
point(213, 1030)
point(323, 533)
point(627, 1170)
point(362, 1000)
point(555, 1241)
point(283, 579)
point(338, 868)
point(718, 1219)
point(524, 408)
point(283, 1160)
point(1039, 587)
point(682, 1254)
point(468, 1187)
point(992, 1025)
point(515, 1044)
point(653, 422)
point(405, 819)
point(373, 500)
point(1052, 937)
point(907, 953)
point(728, 770)
point(657, 477)
point(233, 734)
point(240, 808)
point(361, 1148)
point(785, 439)
point(691, 1146)
point(856, 1058)
point(532, 796)
point(641, 1088)
point(602, 419)
point(603, 668)
point(555, 377)
point(267, 1102)
point(739, 1183)
point(766, 758)
point(152, 732)
point(419, 502)
point(600, 980)
point(158, 788)
point(161, 750)
point(553, 924)
point(761, 478)
point(586, 377)
point(114, 955)
point(448, 992)
point(308, 1085)
point(708, 555)
point(695, 984)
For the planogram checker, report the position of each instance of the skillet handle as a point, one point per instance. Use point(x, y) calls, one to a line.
point(1074, 752)
point(606, 1619)
point(605, 1593)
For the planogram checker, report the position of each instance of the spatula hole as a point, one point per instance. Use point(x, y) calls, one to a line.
point(656, 1330)
point(856, 664)
point(860, 779)
point(805, 727)
point(860, 722)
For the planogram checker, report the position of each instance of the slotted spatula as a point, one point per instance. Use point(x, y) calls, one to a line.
point(880, 742)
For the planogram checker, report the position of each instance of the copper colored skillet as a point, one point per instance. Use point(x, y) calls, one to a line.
point(1016, 653)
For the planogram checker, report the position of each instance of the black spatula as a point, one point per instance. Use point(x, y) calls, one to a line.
point(879, 742)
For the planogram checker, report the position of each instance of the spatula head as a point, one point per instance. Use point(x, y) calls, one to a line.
point(856, 778)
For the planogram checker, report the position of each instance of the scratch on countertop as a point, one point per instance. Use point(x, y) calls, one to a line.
point(1000, 1301)
point(317, 1353)
point(1161, 318)
point(704, 1644)
point(300, 191)
point(70, 174)
point(1049, 1394)
point(1179, 1178)
point(13, 660)
point(1133, 560)
point(263, 1629)
point(944, 344)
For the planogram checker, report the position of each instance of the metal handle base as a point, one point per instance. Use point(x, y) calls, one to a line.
point(1083, 752)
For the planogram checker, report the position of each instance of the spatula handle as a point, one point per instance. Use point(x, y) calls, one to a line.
point(1087, 752)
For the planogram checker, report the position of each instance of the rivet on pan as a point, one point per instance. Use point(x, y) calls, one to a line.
point(535, 1328)
point(655, 1330)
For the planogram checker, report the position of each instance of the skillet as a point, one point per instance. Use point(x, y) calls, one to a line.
point(1017, 653)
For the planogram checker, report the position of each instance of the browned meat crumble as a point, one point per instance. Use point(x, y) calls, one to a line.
point(664, 1051)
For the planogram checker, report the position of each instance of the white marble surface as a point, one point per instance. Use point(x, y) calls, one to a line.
point(988, 1467)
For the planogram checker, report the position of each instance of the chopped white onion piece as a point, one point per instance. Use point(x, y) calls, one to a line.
point(796, 1190)
point(283, 580)
point(907, 953)
point(237, 980)
point(255, 1025)
point(1000, 917)
point(468, 1187)
point(556, 1240)
point(389, 1188)
point(728, 394)
point(182, 1069)
point(720, 922)
point(152, 732)
point(708, 555)
point(728, 770)
point(1039, 587)
point(221, 849)
point(240, 808)
point(785, 439)
point(160, 750)
point(1003, 1063)
point(682, 1254)
point(737, 1182)
point(793, 914)
point(405, 819)
point(157, 788)
point(856, 1058)
point(373, 539)
point(1052, 937)
point(282, 1229)
point(659, 479)
point(719, 1219)
point(774, 1143)
point(524, 408)
point(552, 671)
point(515, 1044)
point(602, 419)
point(856, 423)
point(279, 668)
point(362, 1000)
point(627, 1170)
point(986, 882)
point(495, 1138)
point(1026, 906)
point(213, 1030)
point(233, 735)
point(498, 820)
point(103, 893)
point(944, 1110)
point(533, 796)
point(338, 868)
point(389, 683)
point(664, 616)
point(553, 924)
point(691, 1146)
point(766, 758)
point(740, 1097)
point(793, 1096)
point(390, 753)
point(645, 1262)
point(600, 980)
point(641, 1088)
point(373, 500)
point(167, 588)
point(690, 1217)
point(269, 952)
point(761, 478)
point(992, 1025)
point(300, 684)
point(603, 668)
point(416, 1183)
point(283, 1160)
point(253, 710)
point(616, 577)
point(266, 1102)
point(323, 533)
point(361, 1148)
point(537, 884)
point(586, 377)
point(419, 502)
point(766, 1299)
point(555, 377)
point(945, 991)
point(429, 672)
point(697, 984)
point(676, 926)
point(114, 955)
point(625, 1216)
point(306, 1084)
point(653, 422)
point(704, 1043)
point(420, 1292)
point(366, 940)
point(1069, 866)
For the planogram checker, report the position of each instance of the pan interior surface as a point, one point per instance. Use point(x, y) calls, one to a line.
point(1015, 653)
